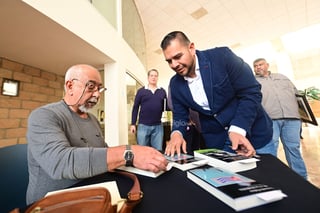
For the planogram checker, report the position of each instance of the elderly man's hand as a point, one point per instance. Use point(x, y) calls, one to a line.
point(148, 158)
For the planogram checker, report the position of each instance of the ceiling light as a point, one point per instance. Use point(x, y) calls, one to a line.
point(199, 13)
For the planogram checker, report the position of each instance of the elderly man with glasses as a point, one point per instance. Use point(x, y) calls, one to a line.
point(65, 143)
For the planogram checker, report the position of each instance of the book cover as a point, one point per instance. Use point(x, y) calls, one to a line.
point(226, 160)
point(237, 191)
point(185, 162)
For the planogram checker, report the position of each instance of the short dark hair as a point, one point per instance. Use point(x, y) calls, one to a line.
point(174, 35)
point(259, 59)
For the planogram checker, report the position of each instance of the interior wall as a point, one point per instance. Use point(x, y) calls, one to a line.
point(132, 30)
point(37, 87)
point(96, 31)
point(108, 9)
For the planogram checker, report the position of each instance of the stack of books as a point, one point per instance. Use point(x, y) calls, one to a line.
point(226, 160)
point(235, 190)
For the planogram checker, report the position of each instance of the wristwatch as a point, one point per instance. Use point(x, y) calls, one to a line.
point(128, 156)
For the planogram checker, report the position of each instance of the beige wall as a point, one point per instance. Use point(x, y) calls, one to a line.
point(37, 88)
point(133, 32)
point(108, 9)
point(97, 32)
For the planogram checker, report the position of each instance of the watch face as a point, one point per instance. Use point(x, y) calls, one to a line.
point(128, 155)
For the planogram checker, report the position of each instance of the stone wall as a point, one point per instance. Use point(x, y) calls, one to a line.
point(37, 87)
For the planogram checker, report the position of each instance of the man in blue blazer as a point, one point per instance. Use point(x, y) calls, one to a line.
point(221, 87)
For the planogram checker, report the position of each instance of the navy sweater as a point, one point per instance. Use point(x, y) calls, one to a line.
point(151, 106)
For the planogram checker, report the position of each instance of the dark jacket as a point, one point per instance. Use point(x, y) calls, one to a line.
point(234, 98)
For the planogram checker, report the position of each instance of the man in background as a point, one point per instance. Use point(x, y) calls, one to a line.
point(151, 100)
point(279, 101)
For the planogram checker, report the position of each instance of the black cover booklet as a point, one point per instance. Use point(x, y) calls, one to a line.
point(237, 191)
point(185, 161)
point(226, 160)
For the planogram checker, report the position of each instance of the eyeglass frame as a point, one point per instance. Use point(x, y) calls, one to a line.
point(97, 87)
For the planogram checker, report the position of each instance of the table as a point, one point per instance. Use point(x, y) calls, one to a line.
point(174, 192)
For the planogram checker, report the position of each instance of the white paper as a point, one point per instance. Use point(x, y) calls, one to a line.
point(271, 196)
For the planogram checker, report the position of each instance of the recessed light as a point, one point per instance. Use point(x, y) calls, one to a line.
point(199, 13)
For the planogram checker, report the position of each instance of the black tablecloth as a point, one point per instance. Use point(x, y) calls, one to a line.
point(174, 192)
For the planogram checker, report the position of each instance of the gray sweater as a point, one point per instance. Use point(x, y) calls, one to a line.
point(278, 96)
point(62, 149)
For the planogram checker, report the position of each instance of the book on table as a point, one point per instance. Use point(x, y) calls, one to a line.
point(140, 171)
point(185, 161)
point(144, 172)
point(227, 160)
point(235, 190)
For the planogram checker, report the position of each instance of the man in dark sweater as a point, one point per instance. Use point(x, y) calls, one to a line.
point(150, 99)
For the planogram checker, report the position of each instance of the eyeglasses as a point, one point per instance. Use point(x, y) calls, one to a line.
point(92, 86)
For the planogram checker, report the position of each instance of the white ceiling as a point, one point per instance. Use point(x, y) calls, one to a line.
point(233, 23)
point(29, 37)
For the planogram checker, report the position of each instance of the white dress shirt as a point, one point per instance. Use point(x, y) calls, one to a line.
point(199, 96)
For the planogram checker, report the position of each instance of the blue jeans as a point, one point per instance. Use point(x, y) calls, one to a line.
point(289, 132)
point(269, 148)
point(150, 136)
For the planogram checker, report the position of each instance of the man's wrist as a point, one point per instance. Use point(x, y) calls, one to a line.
point(175, 131)
point(238, 130)
point(128, 156)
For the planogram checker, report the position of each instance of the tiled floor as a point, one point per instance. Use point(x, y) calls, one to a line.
point(310, 148)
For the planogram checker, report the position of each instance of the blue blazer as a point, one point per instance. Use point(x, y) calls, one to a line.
point(234, 98)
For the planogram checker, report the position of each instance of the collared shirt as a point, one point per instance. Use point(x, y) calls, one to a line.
point(200, 97)
point(197, 89)
point(278, 96)
point(153, 91)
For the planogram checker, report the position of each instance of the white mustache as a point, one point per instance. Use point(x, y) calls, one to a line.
point(93, 100)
